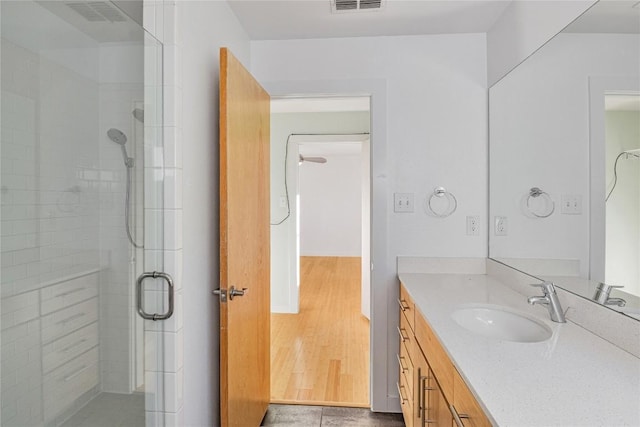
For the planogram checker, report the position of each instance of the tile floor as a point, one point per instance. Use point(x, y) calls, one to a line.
point(120, 410)
point(321, 416)
point(110, 410)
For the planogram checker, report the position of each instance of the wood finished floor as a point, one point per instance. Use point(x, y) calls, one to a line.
point(320, 356)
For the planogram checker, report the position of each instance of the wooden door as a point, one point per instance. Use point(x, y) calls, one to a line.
point(244, 245)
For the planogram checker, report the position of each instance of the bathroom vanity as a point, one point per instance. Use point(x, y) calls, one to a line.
point(448, 372)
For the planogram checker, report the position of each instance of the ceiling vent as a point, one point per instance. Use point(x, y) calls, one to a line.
point(340, 6)
point(97, 11)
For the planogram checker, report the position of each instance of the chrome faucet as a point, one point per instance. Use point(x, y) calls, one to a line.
point(550, 299)
point(602, 295)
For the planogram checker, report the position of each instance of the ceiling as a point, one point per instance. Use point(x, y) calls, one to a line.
point(304, 19)
point(622, 102)
point(609, 16)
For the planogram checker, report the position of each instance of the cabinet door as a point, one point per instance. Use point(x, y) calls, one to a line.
point(437, 413)
point(421, 375)
point(430, 406)
point(466, 406)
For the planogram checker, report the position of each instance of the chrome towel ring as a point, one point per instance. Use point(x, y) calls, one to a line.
point(550, 207)
point(451, 205)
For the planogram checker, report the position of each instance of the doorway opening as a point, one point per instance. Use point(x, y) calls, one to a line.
point(320, 246)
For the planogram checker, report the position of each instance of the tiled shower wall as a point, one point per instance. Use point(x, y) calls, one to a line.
point(160, 19)
point(121, 90)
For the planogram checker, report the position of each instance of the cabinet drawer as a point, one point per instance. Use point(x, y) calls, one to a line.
point(406, 367)
point(64, 349)
point(407, 307)
point(66, 294)
point(60, 323)
point(64, 385)
point(436, 356)
point(464, 403)
point(406, 402)
point(407, 339)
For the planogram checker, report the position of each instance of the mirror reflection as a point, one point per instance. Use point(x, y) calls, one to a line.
point(565, 159)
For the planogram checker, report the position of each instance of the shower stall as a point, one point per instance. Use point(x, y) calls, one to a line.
point(81, 220)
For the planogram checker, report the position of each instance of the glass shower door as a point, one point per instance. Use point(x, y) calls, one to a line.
point(82, 186)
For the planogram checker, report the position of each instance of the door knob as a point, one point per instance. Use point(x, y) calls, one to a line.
point(233, 292)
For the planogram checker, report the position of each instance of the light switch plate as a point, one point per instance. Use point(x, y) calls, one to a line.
point(403, 202)
point(571, 204)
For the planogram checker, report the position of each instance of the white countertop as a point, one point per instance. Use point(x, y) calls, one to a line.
point(573, 379)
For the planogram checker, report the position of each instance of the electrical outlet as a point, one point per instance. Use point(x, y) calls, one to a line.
point(473, 225)
point(571, 204)
point(500, 226)
point(403, 202)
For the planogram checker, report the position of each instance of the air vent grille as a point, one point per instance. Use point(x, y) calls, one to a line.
point(338, 6)
point(342, 5)
point(370, 4)
point(97, 11)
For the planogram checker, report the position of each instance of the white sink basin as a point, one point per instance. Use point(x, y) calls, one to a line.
point(501, 323)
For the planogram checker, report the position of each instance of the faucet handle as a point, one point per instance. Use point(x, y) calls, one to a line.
point(604, 286)
point(547, 287)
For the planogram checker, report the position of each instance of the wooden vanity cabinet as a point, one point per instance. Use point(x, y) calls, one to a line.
point(431, 407)
point(438, 396)
point(406, 383)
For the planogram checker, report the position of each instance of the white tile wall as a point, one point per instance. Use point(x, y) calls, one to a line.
point(160, 20)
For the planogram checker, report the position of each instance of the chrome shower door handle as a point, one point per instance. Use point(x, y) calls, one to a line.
point(155, 316)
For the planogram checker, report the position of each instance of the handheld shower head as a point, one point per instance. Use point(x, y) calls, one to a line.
point(117, 136)
point(138, 113)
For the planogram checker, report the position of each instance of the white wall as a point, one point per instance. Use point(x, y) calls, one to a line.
point(622, 266)
point(544, 142)
point(429, 121)
point(330, 206)
point(204, 27)
point(523, 27)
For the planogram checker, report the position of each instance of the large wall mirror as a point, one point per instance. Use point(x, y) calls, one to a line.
point(565, 159)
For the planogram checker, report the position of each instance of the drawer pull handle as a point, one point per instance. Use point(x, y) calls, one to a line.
point(402, 368)
point(75, 373)
point(421, 379)
point(70, 318)
point(458, 417)
point(402, 336)
point(69, 348)
point(403, 305)
point(402, 398)
point(64, 294)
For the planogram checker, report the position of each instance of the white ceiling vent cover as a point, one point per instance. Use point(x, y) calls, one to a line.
point(97, 11)
point(341, 6)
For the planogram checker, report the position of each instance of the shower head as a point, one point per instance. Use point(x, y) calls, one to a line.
point(633, 153)
point(117, 136)
point(138, 113)
point(312, 159)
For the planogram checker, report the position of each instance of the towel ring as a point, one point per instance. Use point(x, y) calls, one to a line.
point(452, 204)
point(534, 193)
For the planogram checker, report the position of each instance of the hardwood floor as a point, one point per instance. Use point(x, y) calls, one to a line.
point(320, 356)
